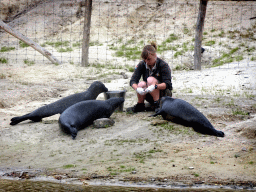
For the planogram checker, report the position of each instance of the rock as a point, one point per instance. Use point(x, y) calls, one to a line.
point(244, 149)
point(158, 122)
point(103, 123)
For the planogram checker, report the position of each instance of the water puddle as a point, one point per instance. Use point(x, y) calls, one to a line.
point(14, 185)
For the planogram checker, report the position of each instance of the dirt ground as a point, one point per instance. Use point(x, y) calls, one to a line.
point(134, 148)
point(138, 148)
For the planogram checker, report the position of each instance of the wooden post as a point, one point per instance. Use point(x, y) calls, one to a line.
point(31, 43)
point(86, 33)
point(199, 34)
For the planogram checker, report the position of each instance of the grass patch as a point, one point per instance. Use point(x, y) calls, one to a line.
point(23, 44)
point(95, 43)
point(3, 60)
point(239, 112)
point(209, 43)
point(68, 49)
point(28, 62)
point(196, 174)
point(121, 169)
point(227, 58)
point(69, 166)
point(77, 44)
point(6, 49)
point(141, 156)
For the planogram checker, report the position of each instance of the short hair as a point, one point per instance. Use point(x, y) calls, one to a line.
point(148, 49)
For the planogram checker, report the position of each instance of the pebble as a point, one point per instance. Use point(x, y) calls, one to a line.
point(244, 149)
point(103, 123)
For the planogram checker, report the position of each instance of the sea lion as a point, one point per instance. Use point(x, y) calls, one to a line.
point(184, 113)
point(82, 114)
point(59, 106)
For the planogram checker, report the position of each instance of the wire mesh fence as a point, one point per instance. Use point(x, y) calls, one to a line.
point(120, 29)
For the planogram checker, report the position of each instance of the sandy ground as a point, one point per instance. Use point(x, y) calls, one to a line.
point(134, 149)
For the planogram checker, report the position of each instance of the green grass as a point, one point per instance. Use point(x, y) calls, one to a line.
point(121, 169)
point(196, 174)
point(3, 60)
point(69, 166)
point(23, 44)
point(68, 49)
point(239, 112)
point(95, 43)
point(227, 58)
point(209, 43)
point(6, 49)
point(28, 62)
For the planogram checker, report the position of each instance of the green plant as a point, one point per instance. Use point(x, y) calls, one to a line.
point(221, 34)
point(3, 60)
point(95, 43)
point(196, 174)
point(68, 49)
point(177, 54)
point(77, 44)
point(68, 166)
point(23, 44)
point(209, 43)
point(167, 126)
point(6, 49)
point(28, 62)
point(239, 58)
point(239, 112)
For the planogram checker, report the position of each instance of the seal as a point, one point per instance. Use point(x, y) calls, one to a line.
point(61, 105)
point(184, 113)
point(82, 114)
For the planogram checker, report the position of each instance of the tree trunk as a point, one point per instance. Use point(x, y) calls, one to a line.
point(86, 33)
point(199, 34)
point(31, 43)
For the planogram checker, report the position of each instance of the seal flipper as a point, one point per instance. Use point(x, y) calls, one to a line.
point(159, 112)
point(16, 120)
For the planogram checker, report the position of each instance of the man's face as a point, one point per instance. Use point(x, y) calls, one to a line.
point(151, 60)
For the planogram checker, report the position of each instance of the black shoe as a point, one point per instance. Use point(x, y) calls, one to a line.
point(139, 107)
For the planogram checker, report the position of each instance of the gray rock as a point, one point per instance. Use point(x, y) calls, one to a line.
point(103, 123)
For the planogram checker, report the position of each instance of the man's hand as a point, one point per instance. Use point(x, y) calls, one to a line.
point(150, 89)
point(141, 91)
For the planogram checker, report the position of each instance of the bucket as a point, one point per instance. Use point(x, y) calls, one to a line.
point(110, 94)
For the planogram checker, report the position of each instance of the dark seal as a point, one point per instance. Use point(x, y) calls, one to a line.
point(82, 114)
point(184, 113)
point(61, 105)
